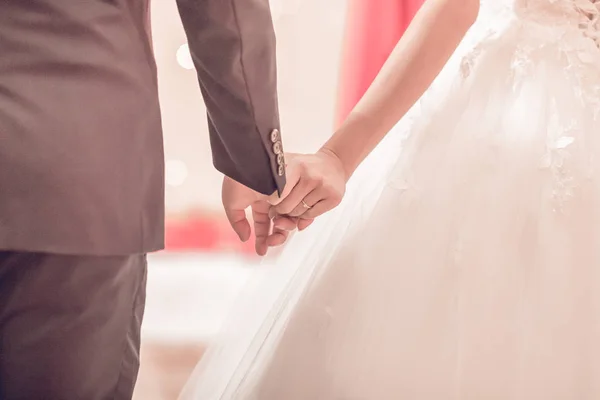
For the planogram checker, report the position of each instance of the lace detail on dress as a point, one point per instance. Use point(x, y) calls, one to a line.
point(569, 29)
point(590, 24)
point(585, 14)
point(573, 28)
point(560, 138)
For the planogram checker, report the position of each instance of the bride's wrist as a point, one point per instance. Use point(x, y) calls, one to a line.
point(347, 148)
point(339, 158)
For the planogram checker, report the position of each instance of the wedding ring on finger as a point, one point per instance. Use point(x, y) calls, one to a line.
point(305, 205)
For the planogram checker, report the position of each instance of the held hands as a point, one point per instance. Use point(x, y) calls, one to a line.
point(315, 184)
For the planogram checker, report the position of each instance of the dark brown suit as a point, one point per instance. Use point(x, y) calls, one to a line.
point(81, 168)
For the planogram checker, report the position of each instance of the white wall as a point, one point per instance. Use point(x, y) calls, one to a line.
point(189, 295)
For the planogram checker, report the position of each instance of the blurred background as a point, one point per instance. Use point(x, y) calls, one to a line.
point(328, 53)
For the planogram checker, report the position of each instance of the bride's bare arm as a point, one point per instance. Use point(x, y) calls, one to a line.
point(316, 182)
point(417, 59)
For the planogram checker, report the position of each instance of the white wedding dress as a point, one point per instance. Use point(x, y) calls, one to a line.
point(468, 266)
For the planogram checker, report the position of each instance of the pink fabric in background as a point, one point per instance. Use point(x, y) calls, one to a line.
point(373, 28)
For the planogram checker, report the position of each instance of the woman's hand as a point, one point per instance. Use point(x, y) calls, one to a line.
point(316, 183)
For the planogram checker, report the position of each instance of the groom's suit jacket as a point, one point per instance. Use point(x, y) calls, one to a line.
point(81, 148)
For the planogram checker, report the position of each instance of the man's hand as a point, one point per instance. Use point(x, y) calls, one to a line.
point(237, 198)
point(316, 184)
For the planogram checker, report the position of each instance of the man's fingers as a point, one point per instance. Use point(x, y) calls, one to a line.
point(262, 221)
point(304, 223)
point(262, 226)
point(277, 238)
point(285, 223)
point(238, 221)
point(261, 247)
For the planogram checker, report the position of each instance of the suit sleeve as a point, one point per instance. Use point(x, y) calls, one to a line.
point(232, 43)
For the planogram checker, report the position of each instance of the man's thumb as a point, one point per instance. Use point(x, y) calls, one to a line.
point(240, 224)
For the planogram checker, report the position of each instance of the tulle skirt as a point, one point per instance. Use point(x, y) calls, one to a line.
point(465, 262)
